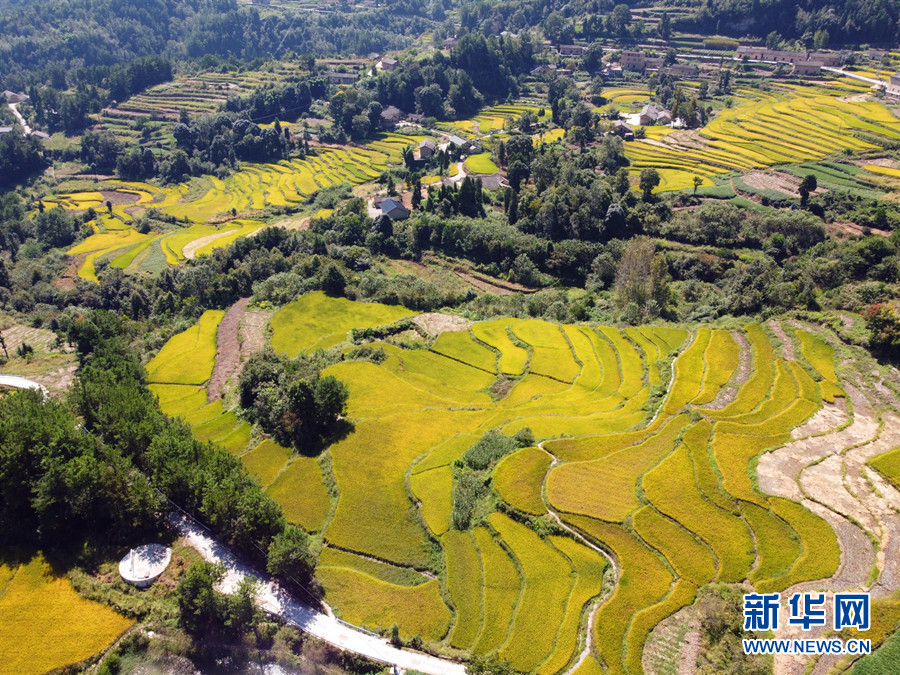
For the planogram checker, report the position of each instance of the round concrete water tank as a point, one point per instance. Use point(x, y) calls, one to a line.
point(143, 564)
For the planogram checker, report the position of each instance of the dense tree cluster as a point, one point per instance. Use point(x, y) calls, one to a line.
point(290, 399)
point(19, 157)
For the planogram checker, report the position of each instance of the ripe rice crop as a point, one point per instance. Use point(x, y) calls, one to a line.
point(460, 346)
point(316, 321)
point(643, 581)
point(821, 555)
point(721, 360)
point(820, 355)
point(266, 460)
point(683, 594)
point(374, 604)
point(688, 373)
point(605, 488)
point(552, 355)
point(391, 574)
point(512, 357)
point(671, 489)
point(733, 453)
point(434, 489)
point(689, 558)
point(300, 491)
point(757, 386)
point(548, 583)
point(45, 624)
point(502, 589)
point(589, 568)
point(519, 477)
point(188, 357)
point(464, 584)
point(776, 543)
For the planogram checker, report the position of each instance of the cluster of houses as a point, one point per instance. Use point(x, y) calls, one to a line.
point(804, 63)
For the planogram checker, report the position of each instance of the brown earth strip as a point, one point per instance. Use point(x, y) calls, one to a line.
point(787, 346)
point(228, 350)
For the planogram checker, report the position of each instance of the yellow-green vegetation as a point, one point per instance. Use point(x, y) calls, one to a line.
point(502, 588)
point(459, 345)
point(688, 369)
point(266, 460)
point(494, 333)
point(45, 624)
point(375, 604)
point(464, 584)
point(689, 558)
point(820, 355)
point(552, 356)
point(720, 361)
point(589, 567)
point(548, 583)
point(573, 487)
point(671, 493)
point(434, 490)
point(188, 358)
point(316, 321)
point(888, 465)
point(643, 582)
point(670, 487)
point(481, 164)
point(821, 554)
point(519, 477)
point(301, 492)
point(794, 125)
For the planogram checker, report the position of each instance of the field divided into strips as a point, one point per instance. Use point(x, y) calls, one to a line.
point(820, 355)
point(762, 129)
point(671, 496)
point(45, 625)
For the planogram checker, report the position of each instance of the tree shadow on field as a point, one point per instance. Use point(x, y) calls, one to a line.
point(315, 446)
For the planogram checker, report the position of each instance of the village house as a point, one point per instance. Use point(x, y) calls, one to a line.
point(387, 63)
point(830, 59)
point(542, 69)
point(654, 114)
point(571, 50)
point(808, 68)
point(390, 116)
point(633, 60)
point(623, 130)
point(342, 78)
point(392, 208)
point(426, 148)
point(13, 97)
point(776, 55)
point(894, 85)
point(683, 70)
point(450, 43)
point(5, 130)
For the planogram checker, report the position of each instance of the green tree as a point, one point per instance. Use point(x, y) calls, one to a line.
point(290, 556)
point(698, 181)
point(807, 186)
point(199, 605)
point(649, 180)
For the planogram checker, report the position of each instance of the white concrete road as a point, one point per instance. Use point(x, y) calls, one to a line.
point(18, 382)
point(15, 108)
point(275, 600)
point(856, 76)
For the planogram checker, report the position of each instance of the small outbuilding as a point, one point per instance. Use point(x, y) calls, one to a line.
point(142, 565)
point(393, 209)
point(426, 148)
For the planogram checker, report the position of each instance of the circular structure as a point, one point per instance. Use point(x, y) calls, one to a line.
point(143, 564)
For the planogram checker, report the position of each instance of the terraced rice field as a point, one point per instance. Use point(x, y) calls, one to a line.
point(670, 494)
point(45, 625)
point(247, 192)
point(763, 129)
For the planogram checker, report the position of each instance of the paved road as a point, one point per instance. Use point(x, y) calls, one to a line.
point(274, 599)
point(15, 108)
point(21, 383)
point(856, 76)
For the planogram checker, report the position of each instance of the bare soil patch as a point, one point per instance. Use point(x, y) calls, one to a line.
point(844, 230)
point(727, 394)
point(435, 323)
point(70, 276)
point(775, 180)
point(879, 161)
point(117, 198)
point(228, 350)
point(253, 331)
point(289, 224)
point(190, 250)
point(787, 345)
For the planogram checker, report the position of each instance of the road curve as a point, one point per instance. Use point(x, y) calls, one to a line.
point(18, 382)
point(277, 601)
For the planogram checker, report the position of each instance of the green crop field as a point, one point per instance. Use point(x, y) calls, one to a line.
point(669, 491)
